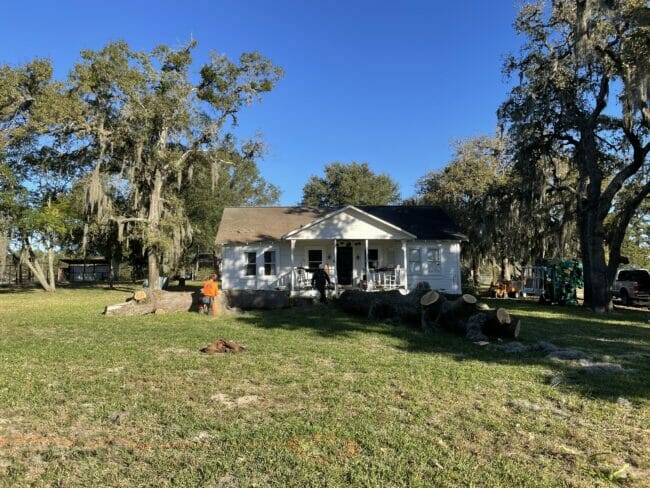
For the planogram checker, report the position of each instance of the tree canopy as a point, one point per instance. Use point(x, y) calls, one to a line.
point(480, 190)
point(128, 128)
point(350, 184)
point(577, 54)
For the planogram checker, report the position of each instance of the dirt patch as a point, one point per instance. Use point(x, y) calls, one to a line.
point(229, 402)
point(321, 448)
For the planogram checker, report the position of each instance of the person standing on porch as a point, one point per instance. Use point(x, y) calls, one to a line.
point(319, 280)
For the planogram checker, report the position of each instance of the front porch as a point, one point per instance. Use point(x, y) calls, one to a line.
point(366, 264)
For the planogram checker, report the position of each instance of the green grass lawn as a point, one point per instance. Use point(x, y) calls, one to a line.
point(318, 399)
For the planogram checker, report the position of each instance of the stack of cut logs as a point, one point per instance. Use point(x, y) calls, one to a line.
point(432, 311)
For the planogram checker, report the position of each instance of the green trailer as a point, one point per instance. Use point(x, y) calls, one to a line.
point(560, 281)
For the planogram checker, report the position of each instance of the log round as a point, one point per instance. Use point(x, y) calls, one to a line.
point(429, 298)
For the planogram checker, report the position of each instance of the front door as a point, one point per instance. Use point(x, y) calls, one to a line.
point(344, 265)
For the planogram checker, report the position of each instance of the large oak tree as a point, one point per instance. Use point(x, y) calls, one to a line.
point(582, 93)
point(149, 125)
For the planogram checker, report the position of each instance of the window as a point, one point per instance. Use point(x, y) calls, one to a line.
point(269, 263)
point(433, 260)
point(251, 264)
point(314, 258)
point(415, 264)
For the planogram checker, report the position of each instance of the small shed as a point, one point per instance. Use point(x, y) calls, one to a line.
point(80, 270)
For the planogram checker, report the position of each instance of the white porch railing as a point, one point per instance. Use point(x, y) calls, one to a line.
point(386, 278)
point(379, 279)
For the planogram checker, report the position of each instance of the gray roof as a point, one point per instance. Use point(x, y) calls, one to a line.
point(253, 224)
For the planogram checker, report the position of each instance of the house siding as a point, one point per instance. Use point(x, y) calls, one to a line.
point(233, 268)
point(447, 278)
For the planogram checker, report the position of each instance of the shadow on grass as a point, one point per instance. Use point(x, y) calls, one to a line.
point(7, 290)
point(616, 335)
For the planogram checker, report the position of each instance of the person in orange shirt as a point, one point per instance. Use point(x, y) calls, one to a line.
point(209, 293)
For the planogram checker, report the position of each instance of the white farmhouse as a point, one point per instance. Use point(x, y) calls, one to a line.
point(367, 247)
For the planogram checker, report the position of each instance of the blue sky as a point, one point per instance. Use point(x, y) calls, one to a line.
point(388, 83)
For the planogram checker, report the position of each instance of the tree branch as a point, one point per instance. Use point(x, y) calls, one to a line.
point(640, 154)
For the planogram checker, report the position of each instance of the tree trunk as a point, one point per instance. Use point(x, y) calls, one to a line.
point(596, 295)
point(476, 272)
point(505, 270)
point(153, 222)
point(257, 299)
point(463, 316)
point(153, 271)
point(590, 218)
point(50, 269)
point(382, 305)
point(4, 247)
point(499, 323)
point(27, 256)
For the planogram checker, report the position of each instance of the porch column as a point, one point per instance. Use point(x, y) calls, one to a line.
point(367, 267)
point(278, 263)
point(293, 278)
point(336, 273)
point(406, 286)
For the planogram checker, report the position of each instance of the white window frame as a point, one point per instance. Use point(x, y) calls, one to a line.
point(273, 263)
point(247, 263)
point(414, 262)
point(322, 256)
point(433, 266)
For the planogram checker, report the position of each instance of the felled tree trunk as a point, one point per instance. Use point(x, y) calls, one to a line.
point(258, 299)
point(355, 302)
point(393, 304)
point(154, 301)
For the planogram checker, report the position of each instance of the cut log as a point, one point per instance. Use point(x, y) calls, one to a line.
point(429, 298)
point(140, 295)
point(356, 302)
point(497, 323)
point(160, 302)
point(460, 315)
point(397, 305)
point(155, 302)
point(258, 299)
point(454, 312)
point(432, 303)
